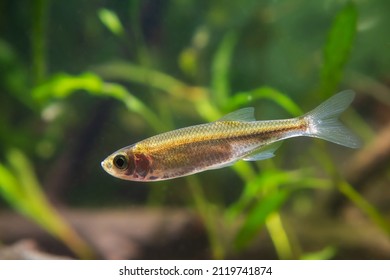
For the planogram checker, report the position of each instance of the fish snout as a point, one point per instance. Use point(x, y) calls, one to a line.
point(106, 165)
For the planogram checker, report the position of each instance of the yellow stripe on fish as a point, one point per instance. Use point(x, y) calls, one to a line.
point(236, 136)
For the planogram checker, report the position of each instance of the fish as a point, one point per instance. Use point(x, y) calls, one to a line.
point(236, 136)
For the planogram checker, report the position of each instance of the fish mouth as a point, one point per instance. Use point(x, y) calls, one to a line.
point(106, 165)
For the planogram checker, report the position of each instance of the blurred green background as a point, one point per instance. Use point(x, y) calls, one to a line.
point(81, 79)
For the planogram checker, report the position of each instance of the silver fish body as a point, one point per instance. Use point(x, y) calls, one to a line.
point(236, 136)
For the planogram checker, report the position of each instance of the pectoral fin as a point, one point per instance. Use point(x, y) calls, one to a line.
point(263, 152)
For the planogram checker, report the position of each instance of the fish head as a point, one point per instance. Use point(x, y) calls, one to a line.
point(127, 164)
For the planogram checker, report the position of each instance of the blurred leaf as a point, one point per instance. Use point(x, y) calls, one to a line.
point(24, 171)
point(38, 38)
point(337, 49)
point(13, 75)
point(63, 85)
point(267, 181)
point(325, 254)
point(111, 21)
point(199, 96)
point(257, 216)
point(9, 186)
point(221, 69)
point(364, 206)
point(189, 61)
point(20, 187)
point(279, 236)
point(209, 215)
point(130, 72)
point(244, 98)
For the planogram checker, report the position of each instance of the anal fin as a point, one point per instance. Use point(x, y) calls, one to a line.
point(263, 153)
point(222, 165)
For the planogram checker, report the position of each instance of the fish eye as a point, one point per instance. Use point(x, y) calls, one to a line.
point(120, 162)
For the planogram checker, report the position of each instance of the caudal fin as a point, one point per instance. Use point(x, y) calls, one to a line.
point(324, 123)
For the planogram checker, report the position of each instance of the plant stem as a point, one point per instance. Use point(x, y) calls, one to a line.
point(346, 189)
point(38, 38)
point(279, 236)
point(208, 217)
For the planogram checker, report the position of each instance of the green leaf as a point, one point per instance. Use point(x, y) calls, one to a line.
point(337, 49)
point(111, 21)
point(63, 85)
point(9, 186)
point(130, 72)
point(20, 187)
point(267, 180)
point(325, 254)
point(244, 98)
point(221, 67)
point(257, 216)
point(364, 205)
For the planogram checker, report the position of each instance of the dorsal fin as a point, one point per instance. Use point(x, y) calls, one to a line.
point(241, 115)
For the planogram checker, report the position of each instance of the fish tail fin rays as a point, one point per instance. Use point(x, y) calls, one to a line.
point(324, 123)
